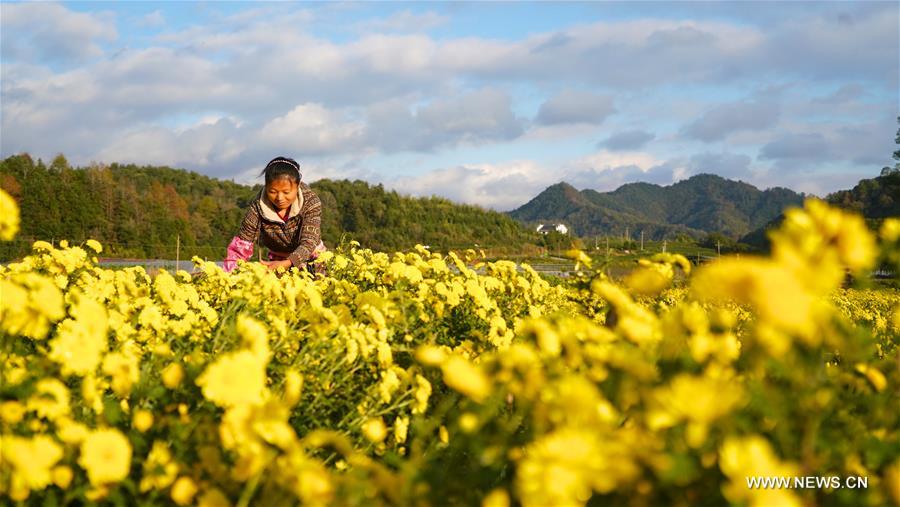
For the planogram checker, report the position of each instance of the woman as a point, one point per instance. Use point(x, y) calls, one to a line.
point(285, 217)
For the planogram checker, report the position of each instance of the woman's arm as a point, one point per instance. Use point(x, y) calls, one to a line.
point(241, 246)
point(311, 232)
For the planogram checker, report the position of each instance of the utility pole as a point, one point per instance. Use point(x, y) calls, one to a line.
point(664, 246)
point(718, 248)
point(642, 241)
point(177, 252)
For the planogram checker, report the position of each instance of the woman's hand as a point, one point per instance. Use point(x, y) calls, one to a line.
point(286, 264)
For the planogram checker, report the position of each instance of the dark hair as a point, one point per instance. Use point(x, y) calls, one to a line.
point(282, 167)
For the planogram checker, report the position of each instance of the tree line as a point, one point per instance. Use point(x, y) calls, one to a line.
point(144, 211)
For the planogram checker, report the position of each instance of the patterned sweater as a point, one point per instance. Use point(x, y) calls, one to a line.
point(297, 237)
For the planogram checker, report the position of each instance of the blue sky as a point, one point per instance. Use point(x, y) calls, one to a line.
point(482, 102)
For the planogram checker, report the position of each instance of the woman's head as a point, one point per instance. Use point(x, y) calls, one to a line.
point(282, 181)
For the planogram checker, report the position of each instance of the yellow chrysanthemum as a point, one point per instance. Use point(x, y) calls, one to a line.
point(172, 375)
point(32, 459)
point(94, 245)
point(106, 456)
point(81, 341)
point(9, 216)
point(466, 378)
point(374, 430)
point(183, 491)
point(752, 456)
point(159, 471)
point(124, 369)
point(30, 304)
point(142, 420)
point(50, 399)
point(234, 379)
point(213, 498)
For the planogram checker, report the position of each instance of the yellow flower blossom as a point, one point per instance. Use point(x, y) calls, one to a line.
point(254, 336)
point(430, 355)
point(700, 400)
point(12, 412)
point(32, 459)
point(159, 471)
point(422, 394)
point(468, 422)
point(172, 375)
point(94, 245)
point(579, 257)
point(142, 420)
point(62, 476)
point(496, 498)
point(124, 369)
point(183, 491)
point(752, 456)
point(106, 456)
point(765, 285)
point(234, 379)
point(462, 376)
point(70, 431)
point(9, 211)
point(401, 428)
point(30, 304)
point(649, 278)
point(374, 430)
point(50, 399)
point(564, 467)
point(213, 498)
point(875, 377)
point(81, 340)
point(293, 386)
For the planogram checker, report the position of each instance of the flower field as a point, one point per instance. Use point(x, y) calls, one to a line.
point(417, 378)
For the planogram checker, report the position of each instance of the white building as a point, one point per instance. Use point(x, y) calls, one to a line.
point(546, 228)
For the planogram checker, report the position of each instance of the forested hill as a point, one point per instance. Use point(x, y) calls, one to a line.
point(696, 206)
point(140, 211)
point(874, 198)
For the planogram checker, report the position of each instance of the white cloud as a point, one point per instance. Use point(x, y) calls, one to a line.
point(606, 160)
point(478, 117)
point(403, 21)
point(498, 186)
point(51, 32)
point(863, 144)
point(846, 93)
point(206, 146)
point(627, 140)
point(855, 43)
point(261, 80)
point(575, 106)
point(312, 129)
point(508, 185)
point(725, 119)
point(154, 19)
point(728, 165)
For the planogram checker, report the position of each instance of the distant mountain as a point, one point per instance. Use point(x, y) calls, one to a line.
point(696, 206)
point(874, 198)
